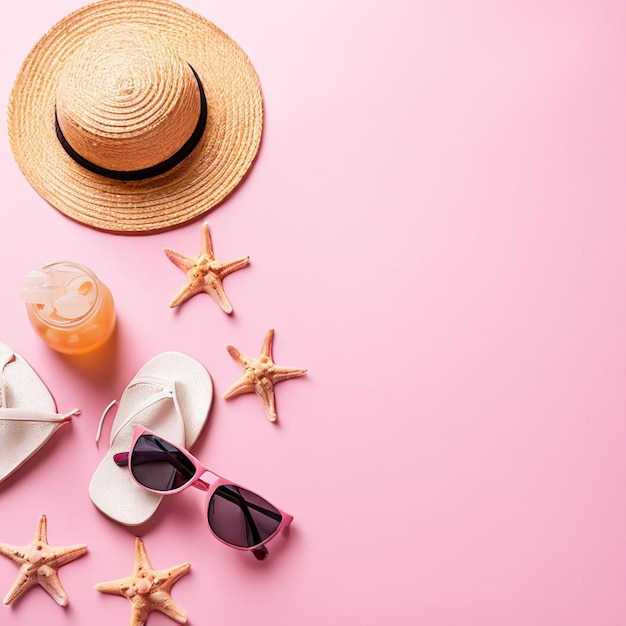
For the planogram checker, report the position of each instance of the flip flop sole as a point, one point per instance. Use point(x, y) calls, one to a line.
point(19, 441)
point(112, 489)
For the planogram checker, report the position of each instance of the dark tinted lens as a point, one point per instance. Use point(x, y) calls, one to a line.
point(158, 465)
point(240, 517)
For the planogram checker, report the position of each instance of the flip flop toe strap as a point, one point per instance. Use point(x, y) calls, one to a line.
point(166, 389)
point(21, 414)
point(6, 356)
point(25, 415)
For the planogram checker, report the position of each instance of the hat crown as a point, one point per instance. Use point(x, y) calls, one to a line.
point(126, 101)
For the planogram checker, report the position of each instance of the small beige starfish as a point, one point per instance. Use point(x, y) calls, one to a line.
point(260, 375)
point(204, 272)
point(39, 564)
point(148, 589)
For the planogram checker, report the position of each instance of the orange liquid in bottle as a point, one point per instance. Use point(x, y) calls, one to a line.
point(81, 334)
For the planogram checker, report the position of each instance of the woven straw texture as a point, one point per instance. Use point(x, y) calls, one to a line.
point(76, 67)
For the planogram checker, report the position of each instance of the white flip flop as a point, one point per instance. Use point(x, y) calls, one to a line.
point(171, 395)
point(28, 413)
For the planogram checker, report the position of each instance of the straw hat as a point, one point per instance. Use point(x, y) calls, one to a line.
point(135, 116)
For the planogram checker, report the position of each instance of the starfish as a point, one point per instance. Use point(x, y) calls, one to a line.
point(148, 589)
point(260, 375)
point(204, 272)
point(39, 564)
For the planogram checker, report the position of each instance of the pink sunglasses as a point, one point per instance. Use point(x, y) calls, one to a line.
point(237, 517)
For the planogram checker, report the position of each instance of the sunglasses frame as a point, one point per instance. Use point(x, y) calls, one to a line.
point(206, 480)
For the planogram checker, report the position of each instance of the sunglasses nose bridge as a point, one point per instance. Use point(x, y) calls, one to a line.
point(205, 480)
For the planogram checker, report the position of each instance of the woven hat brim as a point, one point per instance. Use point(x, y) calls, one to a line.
point(215, 167)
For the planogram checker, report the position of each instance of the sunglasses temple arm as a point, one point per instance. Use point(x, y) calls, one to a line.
point(256, 537)
point(260, 552)
point(247, 506)
point(121, 458)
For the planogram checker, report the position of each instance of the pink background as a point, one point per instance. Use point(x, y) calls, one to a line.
point(436, 224)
